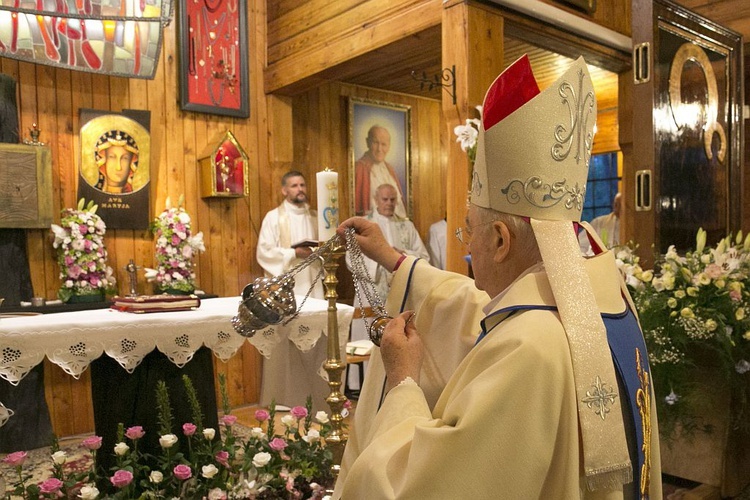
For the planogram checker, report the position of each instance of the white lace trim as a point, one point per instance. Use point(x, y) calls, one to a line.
point(73, 340)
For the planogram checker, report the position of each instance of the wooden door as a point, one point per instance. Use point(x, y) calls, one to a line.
point(687, 129)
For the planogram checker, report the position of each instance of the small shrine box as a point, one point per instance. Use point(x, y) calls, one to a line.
point(223, 168)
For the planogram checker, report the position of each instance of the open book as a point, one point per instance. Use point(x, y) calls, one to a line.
point(359, 347)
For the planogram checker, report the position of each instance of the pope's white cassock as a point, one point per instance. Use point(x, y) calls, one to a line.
point(290, 375)
point(401, 234)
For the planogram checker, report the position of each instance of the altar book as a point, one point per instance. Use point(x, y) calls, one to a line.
point(156, 303)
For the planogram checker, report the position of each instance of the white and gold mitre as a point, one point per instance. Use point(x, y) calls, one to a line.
point(534, 147)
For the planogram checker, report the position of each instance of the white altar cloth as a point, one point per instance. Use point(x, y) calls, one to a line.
point(72, 340)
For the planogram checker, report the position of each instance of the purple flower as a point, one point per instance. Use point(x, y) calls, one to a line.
point(92, 442)
point(121, 479)
point(277, 444)
point(15, 459)
point(229, 420)
point(51, 485)
point(135, 432)
point(222, 458)
point(299, 412)
point(182, 471)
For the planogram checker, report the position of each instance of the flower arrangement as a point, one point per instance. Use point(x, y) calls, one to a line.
point(175, 245)
point(695, 313)
point(81, 254)
point(294, 464)
point(467, 135)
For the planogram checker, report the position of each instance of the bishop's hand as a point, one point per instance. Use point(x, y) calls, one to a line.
point(371, 241)
point(402, 350)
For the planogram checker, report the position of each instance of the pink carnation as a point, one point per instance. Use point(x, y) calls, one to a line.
point(135, 432)
point(15, 459)
point(189, 429)
point(121, 479)
point(92, 442)
point(182, 471)
point(277, 444)
point(261, 415)
point(51, 485)
point(299, 412)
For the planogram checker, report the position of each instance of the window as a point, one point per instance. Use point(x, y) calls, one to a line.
point(602, 185)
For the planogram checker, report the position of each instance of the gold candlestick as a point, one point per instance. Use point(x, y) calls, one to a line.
point(334, 365)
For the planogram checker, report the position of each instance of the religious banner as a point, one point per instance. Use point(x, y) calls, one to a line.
point(115, 166)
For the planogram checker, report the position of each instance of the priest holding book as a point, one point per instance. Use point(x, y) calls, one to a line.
point(287, 237)
point(283, 227)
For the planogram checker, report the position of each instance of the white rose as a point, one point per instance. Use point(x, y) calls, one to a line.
point(257, 432)
point(121, 449)
point(167, 440)
point(289, 420)
point(261, 459)
point(312, 436)
point(156, 477)
point(322, 417)
point(209, 471)
point(209, 433)
point(59, 457)
point(89, 493)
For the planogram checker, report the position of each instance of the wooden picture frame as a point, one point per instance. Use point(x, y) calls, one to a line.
point(213, 57)
point(370, 124)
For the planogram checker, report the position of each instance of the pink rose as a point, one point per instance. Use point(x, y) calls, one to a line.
point(277, 444)
point(735, 295)
point(189, 429)
point(51, 485)
point(229, 420)
point(347, 404)
point(222, 458)
point(299, 412)
point(92, 442)
point(121, 479)
point(182, 471)
point(15, 459)
point(262, 415)
point(135, 432)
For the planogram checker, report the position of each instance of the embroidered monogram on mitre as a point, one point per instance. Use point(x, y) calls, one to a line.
point(580, 108)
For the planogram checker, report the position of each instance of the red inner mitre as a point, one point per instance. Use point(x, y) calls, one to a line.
point(512, 89)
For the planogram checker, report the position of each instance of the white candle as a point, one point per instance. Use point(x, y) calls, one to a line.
point(328, 204)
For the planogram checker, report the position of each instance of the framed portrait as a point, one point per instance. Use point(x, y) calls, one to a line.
point(213, 57)
point(379, 153)
point(115, 168)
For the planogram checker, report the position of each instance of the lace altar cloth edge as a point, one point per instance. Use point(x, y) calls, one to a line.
point(72, 340)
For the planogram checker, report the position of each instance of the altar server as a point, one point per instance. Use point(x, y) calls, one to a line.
point(531, 381)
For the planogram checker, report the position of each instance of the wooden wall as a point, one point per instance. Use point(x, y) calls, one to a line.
point(305, 37)
point(52, 98)
point(321, 132)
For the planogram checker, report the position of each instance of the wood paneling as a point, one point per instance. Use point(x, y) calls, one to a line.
point(321, 139)
point(733, 14)
point(299, 50)
point(53, 97)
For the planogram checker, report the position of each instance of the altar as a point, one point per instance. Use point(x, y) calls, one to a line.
point(73, 340)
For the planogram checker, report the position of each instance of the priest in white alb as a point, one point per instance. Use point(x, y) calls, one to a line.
point(290, 375)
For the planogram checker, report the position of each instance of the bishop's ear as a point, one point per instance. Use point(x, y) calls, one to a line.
point(502, 237)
